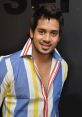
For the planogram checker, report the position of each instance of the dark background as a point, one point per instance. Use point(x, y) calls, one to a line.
point(14, 26)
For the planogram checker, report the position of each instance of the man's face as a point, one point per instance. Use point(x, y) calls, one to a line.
point(45, 36)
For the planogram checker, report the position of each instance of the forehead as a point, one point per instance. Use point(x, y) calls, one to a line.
point(46, 23)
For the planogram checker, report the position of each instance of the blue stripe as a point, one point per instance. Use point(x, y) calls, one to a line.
point(57, 87)
point(3, 70)
point(21, 86)
point(56, 55)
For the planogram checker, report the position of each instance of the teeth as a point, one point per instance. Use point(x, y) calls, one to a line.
point(45, 45)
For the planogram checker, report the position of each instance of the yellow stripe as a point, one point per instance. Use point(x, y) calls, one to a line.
point(3, 94)
point(35, 88)
point(66, 69)
point(8, 103)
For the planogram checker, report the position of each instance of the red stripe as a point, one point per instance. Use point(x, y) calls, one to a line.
point(43, 91)
point(42, 87)
point(25, 47)
point(52, 73)
point(45, 112)
point(57, 65)
point(53, 70)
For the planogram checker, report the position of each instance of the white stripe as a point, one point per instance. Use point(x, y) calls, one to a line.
point(50, 101)
point(32, 93)
point(52, 67)
point(31, 88)
point(41, 103)
point(1, 57)
point(24, 51)
point(9, 77)
point(54, 73)
point(36, 69)
point(64, 70)
point(41, 106)
point(55, 115)
point(57, 51)
point(2, 89)
point(24, 48)
point(44, 94)
point(27, 47)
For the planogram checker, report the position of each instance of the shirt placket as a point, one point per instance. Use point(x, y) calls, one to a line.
point(51, 78)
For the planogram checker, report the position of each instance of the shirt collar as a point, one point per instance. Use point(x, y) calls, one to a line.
point(57, 55)
point(27, 51)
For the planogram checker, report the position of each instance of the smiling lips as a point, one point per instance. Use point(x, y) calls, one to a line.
point(45, 46)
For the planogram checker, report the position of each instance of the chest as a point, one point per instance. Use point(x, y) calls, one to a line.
point(27, 82)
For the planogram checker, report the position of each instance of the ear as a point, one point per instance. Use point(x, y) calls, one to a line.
point(31, 33)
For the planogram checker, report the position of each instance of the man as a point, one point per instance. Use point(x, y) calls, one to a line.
point(31, 80)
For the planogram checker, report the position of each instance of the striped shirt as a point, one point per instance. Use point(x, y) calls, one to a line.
point(21, 90)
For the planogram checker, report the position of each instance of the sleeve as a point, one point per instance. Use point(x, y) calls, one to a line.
point(3, 76)
point(64, 70)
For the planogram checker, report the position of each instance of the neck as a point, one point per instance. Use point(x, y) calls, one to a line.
point(43, 58)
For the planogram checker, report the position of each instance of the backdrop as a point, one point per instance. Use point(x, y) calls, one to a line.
point(14, 28)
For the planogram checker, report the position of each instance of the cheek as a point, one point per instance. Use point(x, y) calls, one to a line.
point(37, 38)
point(36, 41)
point(55, 40)
point(37, 35)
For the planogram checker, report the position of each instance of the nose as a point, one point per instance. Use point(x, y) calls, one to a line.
point(47, 38)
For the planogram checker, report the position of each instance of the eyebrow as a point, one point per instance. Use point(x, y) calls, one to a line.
point(54, 30)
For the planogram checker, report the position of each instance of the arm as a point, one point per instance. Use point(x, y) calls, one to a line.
point(64, 70)
point(3, 76)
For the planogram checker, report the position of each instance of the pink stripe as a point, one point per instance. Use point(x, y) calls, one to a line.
point(42, 87)
point(54, 73)
point(43, 91)
point(45, 108)
point(51, 75)
point(36, 69)
point(45, 112)
point(25, 47)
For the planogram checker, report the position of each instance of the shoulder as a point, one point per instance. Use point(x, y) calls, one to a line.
point(8, 63)
point(64, 64)
point(64, 70)
point(12, 59)
point(12, 56)
point(59, 57)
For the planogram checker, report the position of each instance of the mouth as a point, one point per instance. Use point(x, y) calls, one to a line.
point(45, 46)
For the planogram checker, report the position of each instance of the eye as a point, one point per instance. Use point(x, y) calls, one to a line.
point(54, 33)
point(41, 32)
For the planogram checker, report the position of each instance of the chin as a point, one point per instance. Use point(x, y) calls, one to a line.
point(45, 52)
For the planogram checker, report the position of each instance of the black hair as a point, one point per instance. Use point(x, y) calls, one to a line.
point(46, 10)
